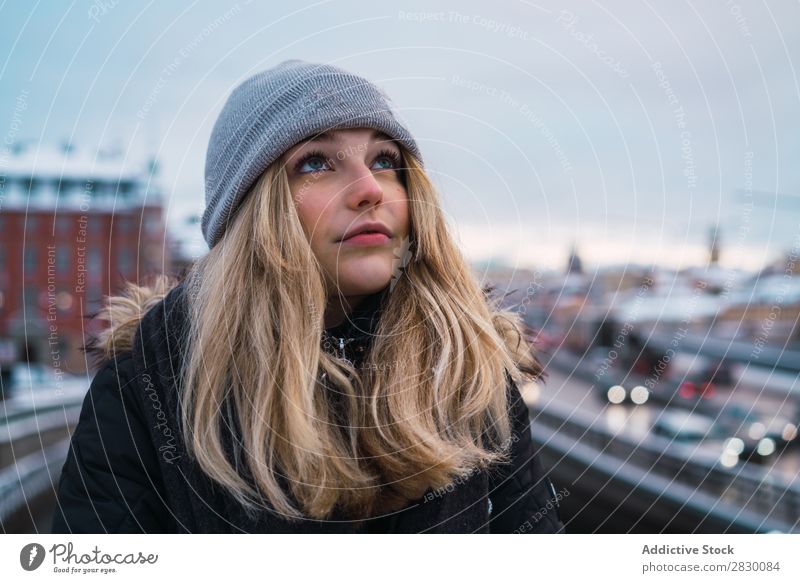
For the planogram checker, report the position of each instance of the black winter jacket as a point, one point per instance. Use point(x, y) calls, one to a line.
point(127, 470)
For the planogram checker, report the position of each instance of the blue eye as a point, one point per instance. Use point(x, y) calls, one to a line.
point(391, 156)
point(317, 162)
point(312, 159)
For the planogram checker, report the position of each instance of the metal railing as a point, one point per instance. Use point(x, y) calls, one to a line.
point(33, 447)
point(750, 494)
point(30, 477)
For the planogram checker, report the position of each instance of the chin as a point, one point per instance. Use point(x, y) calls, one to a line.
point(365, 276)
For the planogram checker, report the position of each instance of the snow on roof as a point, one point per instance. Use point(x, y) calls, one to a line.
point(776, 288)
point(676, 306)
point(55, 162)
point(715, 274)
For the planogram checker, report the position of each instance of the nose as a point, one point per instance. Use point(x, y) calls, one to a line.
point(364, 190)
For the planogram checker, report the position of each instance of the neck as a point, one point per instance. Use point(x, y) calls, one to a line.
point(339, 307)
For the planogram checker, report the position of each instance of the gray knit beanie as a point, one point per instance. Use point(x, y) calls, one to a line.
point(272, 111)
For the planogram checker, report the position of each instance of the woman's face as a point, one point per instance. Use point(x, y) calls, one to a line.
point(344, 182)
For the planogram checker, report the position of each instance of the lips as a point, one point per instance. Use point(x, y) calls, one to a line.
point(376, 228)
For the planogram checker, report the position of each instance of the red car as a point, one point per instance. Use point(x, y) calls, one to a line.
point(704, 385)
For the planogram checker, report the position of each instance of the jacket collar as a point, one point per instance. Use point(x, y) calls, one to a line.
point(360, 325)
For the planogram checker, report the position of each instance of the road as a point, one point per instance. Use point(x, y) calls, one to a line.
point(636, 421)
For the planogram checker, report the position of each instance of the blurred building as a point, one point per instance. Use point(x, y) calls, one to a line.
point(765, 309)
point(75, 226)
point(187, 244)
point(574, 263)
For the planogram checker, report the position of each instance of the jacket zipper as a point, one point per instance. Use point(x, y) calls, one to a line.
point(341, 344)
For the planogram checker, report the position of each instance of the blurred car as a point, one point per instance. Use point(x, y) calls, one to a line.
point(708, 436)
point(695, 435)
point(756, 436)
point(618, 393)
point(686, 427)
point(705, 383)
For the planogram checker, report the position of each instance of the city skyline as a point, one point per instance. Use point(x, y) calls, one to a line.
point(630, 133)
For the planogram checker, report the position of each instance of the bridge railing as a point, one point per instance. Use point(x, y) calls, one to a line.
point(33, 447)
point(743, 487)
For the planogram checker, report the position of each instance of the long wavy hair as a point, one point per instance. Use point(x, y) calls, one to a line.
point(427, 405)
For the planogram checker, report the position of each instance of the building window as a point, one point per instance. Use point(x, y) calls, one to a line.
point(103, 189)
point(94, 294)
point(125, 260)
point(63, 259)
point(94, 261)
point(29, 296)
point(125, 188)
point(30, 258)
point(63, 224)
point(124, 224)
point(32, 184)
point(95, 224)
point(68, 185)
point(153, 225)
point(63, 186)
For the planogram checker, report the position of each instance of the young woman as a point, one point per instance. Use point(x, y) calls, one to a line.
point(331, 365)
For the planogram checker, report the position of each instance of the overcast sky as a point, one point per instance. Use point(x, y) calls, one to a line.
point(630, 128)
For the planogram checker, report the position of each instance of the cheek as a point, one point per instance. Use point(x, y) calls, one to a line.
point(401, 210)
point(405, 210)
point(312, 217)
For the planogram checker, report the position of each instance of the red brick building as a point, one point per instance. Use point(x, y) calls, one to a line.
point(73, 228)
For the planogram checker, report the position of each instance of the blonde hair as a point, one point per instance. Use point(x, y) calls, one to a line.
point(427, 405)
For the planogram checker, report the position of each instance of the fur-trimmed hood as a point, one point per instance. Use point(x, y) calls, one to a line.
point(123, 313)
